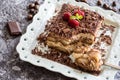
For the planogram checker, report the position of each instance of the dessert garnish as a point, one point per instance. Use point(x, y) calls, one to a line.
point(73, 23)
point(79, 12)
point(66, 16)
point(73, 20)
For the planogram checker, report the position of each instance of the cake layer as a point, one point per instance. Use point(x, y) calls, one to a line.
point(86, 38)
point(64, 48)
point(88, 59)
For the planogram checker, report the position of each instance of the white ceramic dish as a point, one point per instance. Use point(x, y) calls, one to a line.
point(46, 11)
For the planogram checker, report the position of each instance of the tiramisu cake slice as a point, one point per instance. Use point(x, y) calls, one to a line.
point(73, 29)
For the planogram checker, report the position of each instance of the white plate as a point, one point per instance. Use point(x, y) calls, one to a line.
point(46, 11)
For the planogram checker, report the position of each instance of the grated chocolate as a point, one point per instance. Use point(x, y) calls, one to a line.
point(89, 24)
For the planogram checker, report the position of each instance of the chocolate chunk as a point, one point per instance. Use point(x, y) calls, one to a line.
point(14, 28)
point(36, 7)
point(36, 3)
point(32, 11)
point(105, 6)
point(83, 1)
point(30, 16)
point(114, 3)
point(111, 8)
point(31, 6)
point(99, 3)
point(35, 12)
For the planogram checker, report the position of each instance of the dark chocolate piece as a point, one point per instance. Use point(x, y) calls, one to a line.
point(83, 1)
point(99, 3)
point(114, 3)
point(14, 28)
point(36, 7)
point(30, 16)
point(105, 6)
point(111, 8)
point(32, 5)
point(36, 3)
point(32, 11)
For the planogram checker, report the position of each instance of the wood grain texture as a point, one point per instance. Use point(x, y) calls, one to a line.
point(11, 67)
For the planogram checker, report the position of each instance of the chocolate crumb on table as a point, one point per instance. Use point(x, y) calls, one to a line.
point(108, 7)
point(99, 2)
point(114, 4)
point(36, 7)
point(105, 6)
point(33, 9)
point(32, 5)
point(84, 1)
point(29, 17)
point(37, 3)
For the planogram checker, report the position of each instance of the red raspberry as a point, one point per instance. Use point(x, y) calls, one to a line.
point(66, 16)
point(79, 12)
point(73, 23)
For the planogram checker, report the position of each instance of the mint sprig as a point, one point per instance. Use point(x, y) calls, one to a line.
point(77, 17)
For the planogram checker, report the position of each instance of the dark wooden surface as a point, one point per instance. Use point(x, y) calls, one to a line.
point(11, 67)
